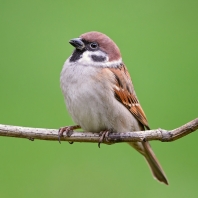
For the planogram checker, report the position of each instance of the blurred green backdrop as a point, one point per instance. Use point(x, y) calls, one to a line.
point(159, 44)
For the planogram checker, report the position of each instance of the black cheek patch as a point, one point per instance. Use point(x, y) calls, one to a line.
point(98, 58)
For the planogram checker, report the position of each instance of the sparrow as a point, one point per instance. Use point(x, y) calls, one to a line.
point(100, 96)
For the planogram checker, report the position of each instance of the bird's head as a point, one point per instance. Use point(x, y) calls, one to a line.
point(95, 49)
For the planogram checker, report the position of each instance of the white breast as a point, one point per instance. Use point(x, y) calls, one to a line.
point(89, 97)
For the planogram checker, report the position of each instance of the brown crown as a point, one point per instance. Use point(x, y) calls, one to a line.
point(105, 44)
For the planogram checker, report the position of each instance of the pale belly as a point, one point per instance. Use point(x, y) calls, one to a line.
point(92, 104)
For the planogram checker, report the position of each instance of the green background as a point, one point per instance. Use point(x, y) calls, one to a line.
point(159, 44)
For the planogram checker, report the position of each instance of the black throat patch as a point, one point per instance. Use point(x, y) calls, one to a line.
point(76, 55)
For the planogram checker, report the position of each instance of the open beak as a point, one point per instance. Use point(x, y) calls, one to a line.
point(77, 43)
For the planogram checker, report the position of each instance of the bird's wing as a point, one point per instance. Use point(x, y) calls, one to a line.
point(124, 93)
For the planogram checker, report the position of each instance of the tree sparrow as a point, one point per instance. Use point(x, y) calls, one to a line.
point(100, 96)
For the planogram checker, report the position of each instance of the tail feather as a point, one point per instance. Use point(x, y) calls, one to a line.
point(154, 164)
point(145, 149)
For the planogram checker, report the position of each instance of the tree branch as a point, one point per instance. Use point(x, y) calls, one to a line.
point(138, 136)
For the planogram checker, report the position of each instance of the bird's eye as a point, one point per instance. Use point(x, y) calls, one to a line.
point(94, 45)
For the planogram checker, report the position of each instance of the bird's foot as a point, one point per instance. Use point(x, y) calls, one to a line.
point(103, 136)
point(68, 131)
point(31, 138)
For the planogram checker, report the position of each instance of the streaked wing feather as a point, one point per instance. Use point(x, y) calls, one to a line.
point(125, 94)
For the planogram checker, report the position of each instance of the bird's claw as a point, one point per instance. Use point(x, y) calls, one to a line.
point(103, 136)
point(31, 138)
point(68, 131)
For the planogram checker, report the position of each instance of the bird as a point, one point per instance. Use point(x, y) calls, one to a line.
point(100, 96)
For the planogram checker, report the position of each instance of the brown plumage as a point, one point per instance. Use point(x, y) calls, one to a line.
point(106, 44)
point(124, 93)
point(106, 94)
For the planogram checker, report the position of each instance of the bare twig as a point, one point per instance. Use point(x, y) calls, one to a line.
point(52, 134)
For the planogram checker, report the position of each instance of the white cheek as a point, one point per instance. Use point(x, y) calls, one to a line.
point(86, 58)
